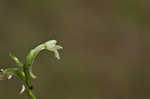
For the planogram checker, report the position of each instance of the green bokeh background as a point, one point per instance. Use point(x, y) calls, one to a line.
point(106, 47)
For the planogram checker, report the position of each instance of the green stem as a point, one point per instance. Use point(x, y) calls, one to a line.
point(30, 93)
point(28, 82)
point(27, 76)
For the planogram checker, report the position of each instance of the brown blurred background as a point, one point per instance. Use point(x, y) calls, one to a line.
point(106, 47)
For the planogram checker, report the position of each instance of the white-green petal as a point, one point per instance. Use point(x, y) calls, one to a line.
point(56, 54)
point(10, 76)
point(22, 89)
point(32, 75)
point(51, 46)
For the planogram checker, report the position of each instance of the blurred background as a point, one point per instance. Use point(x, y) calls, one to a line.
point(106, 47)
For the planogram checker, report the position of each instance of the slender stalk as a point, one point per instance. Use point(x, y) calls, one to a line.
point(30, 93)
point(27, 76)
point(28, 83)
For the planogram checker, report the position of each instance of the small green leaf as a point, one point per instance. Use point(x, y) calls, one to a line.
point(16, 60)
point(32, 75)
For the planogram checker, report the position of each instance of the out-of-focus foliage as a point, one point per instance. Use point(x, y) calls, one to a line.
point(106, 47)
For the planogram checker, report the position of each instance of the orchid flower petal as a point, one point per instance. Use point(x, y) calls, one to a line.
point(51, 46)
point(22, 89)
